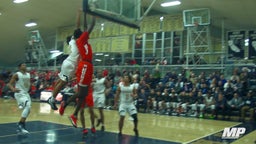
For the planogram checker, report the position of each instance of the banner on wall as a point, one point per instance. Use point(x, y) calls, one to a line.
point(252, 45)
point(100, 44)
point(111, 44)
point(120, 44)
point(236, 44)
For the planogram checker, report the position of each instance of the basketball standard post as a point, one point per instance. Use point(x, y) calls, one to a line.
point(198, 48)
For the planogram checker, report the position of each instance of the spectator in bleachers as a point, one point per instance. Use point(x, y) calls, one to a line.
point(235, 103)
point(200, 104)
point(158, 102)
point(142, 100)
point(193, 103)
point(2, 84)
point(221, 105)
point(174, 101)
point(144, 85)
point(160, 87)
point(167, 100)
point(209, 103)
point(150, 100)
point(249, 106)
point(223, 80)
point(229, 90)
point(235, 75)
point(183, 103)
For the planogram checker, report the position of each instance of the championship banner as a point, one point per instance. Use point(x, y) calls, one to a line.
point(100, 44)
point(236, 44)
point(120, 44)
point(252, 45)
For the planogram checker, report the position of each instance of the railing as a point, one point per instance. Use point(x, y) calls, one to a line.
point(227, 69)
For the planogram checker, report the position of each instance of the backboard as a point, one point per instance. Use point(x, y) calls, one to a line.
point(126, 12)
point(196, 17)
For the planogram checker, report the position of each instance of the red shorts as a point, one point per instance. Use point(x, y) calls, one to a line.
point(84, 73)
point(88, 101)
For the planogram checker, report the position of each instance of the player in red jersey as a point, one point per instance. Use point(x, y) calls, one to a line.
point(84, 70)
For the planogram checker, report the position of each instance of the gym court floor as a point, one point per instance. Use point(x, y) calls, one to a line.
point(48, 127)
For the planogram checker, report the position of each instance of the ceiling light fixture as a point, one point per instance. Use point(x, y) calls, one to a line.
point(172, 3)
point(30, 24)
point(19, 1)
point(54, 51)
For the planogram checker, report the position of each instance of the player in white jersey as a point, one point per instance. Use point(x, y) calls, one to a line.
point(20, 85)
point(126, 93)
point(68, 66)
point(100, 84)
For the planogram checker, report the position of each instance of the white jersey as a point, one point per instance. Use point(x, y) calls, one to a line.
point(23, 83)
point(73, 56)
point(126, 94)
point(99, 86)
point(68, 66)
point(208, 100)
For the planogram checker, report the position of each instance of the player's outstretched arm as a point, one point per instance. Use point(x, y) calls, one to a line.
point(78, 18)
point(92, 25)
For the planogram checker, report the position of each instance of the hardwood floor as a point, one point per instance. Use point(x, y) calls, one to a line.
point(172, 129)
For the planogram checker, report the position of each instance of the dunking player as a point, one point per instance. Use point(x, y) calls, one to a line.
point(84, 70)
point(20, 85)
point(126, 92)
point(68, 66)
point(99, 85)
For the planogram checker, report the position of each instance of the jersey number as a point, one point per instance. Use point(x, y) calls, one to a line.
point(86, 49)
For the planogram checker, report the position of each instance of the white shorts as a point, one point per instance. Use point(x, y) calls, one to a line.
point(23, 99)
point(67, 70)
point(130, 108)
point(99, 100)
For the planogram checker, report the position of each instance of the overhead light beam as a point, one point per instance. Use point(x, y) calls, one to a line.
point(171, 3)
point(31, 24)
point(19, 1)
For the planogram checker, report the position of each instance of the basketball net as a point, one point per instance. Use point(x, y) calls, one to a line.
point(196, 26)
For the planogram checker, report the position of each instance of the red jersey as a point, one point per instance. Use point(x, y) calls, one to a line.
point(84, 47)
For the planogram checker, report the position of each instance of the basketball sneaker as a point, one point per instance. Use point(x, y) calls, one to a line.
point(85, 132)
point(73, 120)
point(136, 132)
point(52, 103)
point(102, 128)
point(93, 130)
point(62, 108)
point(22, 130)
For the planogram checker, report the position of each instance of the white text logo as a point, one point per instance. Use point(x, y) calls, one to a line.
point(233, 133)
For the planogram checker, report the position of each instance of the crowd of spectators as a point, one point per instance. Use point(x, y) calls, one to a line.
point(181, 94)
